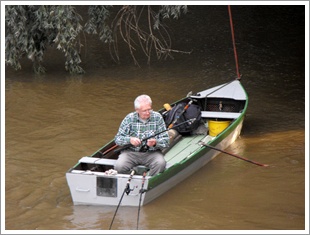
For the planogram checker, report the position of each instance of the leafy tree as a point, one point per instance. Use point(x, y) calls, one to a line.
point(30, 30)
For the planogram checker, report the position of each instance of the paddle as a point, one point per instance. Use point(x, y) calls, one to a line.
point(234, 155)
point(108, 150)
point(127, 191)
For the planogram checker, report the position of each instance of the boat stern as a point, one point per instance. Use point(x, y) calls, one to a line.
point(97, 188)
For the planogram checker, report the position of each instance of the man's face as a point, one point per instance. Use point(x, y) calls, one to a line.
point(145, 111)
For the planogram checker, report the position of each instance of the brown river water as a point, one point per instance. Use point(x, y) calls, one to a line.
point(53, 120)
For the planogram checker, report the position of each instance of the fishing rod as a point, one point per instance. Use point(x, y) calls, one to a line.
point(127, 191)
point(171, 126)
point(183, 111)
point(234, 155)
point(142, 190)
point(144, 139)
point(129, 145)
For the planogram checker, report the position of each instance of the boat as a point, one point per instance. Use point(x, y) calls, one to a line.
point(93, 180)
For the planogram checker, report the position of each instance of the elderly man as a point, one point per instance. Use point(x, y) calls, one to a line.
point(136, 126)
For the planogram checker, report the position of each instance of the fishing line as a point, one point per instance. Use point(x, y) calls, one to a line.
point(126, 190)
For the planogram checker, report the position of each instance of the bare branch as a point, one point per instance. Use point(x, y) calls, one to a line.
point(152, 37)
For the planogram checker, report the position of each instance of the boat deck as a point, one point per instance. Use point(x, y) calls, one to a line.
point(184, 148)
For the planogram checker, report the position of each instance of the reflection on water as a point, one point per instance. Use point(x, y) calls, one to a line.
point(53, 120)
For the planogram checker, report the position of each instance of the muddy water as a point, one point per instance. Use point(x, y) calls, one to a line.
point(53, 120)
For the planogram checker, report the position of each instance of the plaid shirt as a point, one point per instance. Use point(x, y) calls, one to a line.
point(132, 126)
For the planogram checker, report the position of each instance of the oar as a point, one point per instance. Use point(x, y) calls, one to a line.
point(108, 150)
point(126, 190)
point(234, 155)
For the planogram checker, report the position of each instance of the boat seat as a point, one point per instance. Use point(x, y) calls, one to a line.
point(139, 169)
point(101, 161)
point(212, 114)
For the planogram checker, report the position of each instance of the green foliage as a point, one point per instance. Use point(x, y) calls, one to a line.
point(166, 11)
point(98, 21)
point(30, 30)
point(67, 23)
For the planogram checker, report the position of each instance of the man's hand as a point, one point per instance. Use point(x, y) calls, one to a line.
point(135, 141)
point(151, 142)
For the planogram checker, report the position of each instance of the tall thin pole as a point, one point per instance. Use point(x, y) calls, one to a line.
point(141, 192)
point(233, 40)
point(126, 190)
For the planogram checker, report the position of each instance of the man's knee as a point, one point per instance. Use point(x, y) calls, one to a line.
point(162, 166)
point(158, 165)
point(161, 163)
point(121, 165)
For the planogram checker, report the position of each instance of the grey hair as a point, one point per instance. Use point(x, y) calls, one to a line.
point(142, 99)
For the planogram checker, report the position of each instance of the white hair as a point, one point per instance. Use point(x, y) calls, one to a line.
point(142, 99)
